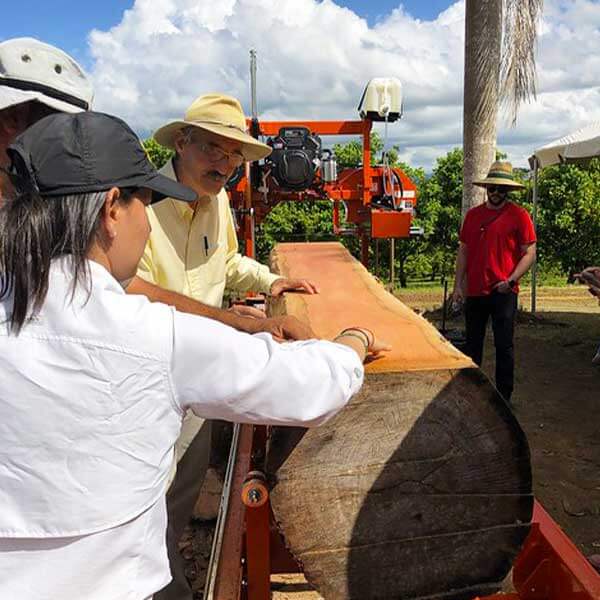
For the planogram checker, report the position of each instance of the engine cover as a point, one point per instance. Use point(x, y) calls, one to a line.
point(295, 158)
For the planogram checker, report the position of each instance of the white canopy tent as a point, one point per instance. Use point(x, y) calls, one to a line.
point(578, 146)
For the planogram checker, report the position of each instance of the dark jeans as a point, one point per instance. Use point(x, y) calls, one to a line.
point(502, 308)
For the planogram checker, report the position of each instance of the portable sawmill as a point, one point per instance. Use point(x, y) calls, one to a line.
point(420, 489)
point(369, 202)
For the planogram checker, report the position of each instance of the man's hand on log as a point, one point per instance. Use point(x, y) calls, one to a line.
point(283, 329)
point(248, 311)
point(293, 285)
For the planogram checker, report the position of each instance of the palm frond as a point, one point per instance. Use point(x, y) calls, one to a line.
point(517, 67)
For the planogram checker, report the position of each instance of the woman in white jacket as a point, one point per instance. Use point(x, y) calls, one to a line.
point(94, 382)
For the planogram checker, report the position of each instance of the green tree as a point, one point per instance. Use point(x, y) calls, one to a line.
point(302, 221)
point(442, 195)
point(569, 217)
point(350, 154)
point(158, 154)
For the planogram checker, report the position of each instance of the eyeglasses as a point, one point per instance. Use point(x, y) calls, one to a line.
point(497, 188)
point(216, 154)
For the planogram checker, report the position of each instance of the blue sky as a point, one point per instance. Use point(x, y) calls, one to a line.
point(373, 10)
point(66, 23)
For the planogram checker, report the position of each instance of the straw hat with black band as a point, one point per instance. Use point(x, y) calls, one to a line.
point(218, 114)
point(33, 71)
point(500, 174)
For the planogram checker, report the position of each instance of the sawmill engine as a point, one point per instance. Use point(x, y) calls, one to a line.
point(295, 158)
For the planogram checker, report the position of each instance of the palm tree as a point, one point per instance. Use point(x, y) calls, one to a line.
point(500, 40)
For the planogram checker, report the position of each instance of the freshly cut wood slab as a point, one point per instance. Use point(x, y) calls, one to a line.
point(349, 292)
point(421, 487)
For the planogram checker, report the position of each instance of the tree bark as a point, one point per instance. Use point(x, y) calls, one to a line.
point(421, 487)
point(483, 38)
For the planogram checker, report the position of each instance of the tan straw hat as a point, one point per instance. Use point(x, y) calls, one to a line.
point(218, 114)
point(501, 173)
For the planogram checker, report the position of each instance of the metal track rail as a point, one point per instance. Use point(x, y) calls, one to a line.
point(215, 553)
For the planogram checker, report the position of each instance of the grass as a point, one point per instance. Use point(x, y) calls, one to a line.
point(564, 298)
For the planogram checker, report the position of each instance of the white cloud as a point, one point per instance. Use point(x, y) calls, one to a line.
point(315, 58)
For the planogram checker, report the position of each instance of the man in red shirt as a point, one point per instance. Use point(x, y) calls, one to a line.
point(497, 247)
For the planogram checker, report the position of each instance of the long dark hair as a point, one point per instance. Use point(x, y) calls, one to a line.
point(36, 230)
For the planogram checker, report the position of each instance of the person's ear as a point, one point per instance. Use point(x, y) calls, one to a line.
point(179, 142)
point(110, 213)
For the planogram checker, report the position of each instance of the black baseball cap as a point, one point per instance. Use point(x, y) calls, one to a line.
point(88, 152)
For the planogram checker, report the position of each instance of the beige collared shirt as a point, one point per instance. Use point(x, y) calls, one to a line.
point(196, 252)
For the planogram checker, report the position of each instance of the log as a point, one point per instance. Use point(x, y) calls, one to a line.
point(421, 487)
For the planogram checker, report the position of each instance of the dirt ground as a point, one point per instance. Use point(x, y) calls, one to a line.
point(556, 400)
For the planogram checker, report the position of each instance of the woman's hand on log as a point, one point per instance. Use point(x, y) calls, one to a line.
point(362, 341)
point(378, 346)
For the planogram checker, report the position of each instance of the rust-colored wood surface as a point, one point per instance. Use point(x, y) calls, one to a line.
point(349, 293)
point(421, 487)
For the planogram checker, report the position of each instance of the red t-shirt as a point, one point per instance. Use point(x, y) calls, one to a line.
point(494, 239)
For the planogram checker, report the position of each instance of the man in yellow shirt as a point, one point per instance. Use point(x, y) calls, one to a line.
point(191, 258)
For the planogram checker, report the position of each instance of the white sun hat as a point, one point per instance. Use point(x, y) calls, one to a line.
point(31, 70)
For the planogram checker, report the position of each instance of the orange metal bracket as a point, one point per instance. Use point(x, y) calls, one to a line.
point(257, 552)
point(550, 567)
point(257, 539)
point(386, 224)
point(252, 546)
point(320, 127)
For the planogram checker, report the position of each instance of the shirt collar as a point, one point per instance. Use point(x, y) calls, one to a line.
point(100, 276)
point(168, 170)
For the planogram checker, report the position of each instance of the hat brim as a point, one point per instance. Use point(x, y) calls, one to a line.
point(160, 186)
point(12, 97)
point(499, 182)
point(165, 187)
point(252, 149)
